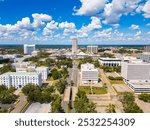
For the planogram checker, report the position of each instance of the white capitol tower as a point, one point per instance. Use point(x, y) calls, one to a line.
point(74, 47)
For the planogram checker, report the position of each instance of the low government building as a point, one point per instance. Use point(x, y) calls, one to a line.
point(20, 79)
point(110, 62)
point(89, 74)
point(136, 75)
point(92, 49)
point(44, 71)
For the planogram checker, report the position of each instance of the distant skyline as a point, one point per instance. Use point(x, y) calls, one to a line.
point(56, 22)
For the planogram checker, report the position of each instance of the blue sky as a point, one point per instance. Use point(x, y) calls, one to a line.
point(91, 21)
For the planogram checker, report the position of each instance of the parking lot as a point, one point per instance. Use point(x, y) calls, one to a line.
point(39, 108)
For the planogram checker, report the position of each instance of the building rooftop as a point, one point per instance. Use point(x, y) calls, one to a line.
point(110, 59)
point(140, 84)
point(88, 67)
point(21, 73)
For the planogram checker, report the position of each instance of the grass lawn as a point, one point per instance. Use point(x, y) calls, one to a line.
point(86, 89)
point(116, 81)
point(98, 90)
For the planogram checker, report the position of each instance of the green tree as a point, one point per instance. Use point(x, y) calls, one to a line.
point(36, 94)
point(127, 97)
point(7, 98)
point(82, 104)
point(132, 108)
point(110, 108)
point(129, 105)
point(6, 68)
point(29, 88)
point(55, 74)
point(145, 97)
point(96, 63)
point(61, 85)
point(64, 72)
point(2, 88)
point(56, 104)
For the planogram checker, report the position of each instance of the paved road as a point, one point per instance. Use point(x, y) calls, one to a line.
point(109, 86)
point(20, 105)
point(75, 74)
point(71, 91)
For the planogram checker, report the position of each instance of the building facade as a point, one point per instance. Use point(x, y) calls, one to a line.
point(20, 79)
point(92, 49)
point(147, 49)
point(89, 74)
point(112, 61)
point(28, 49)
point(135, 71)
point(145, 57)
point(137, 76)
point(74, 47)
point(44, 72)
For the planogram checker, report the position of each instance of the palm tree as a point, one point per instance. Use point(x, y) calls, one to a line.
point(111, 108)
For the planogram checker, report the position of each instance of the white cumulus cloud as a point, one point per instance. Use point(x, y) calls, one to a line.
point(117, 8)
point(134, 27)
point(90, 7)
point(146, 9)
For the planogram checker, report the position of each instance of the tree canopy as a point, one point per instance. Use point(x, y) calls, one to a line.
point(83, 105)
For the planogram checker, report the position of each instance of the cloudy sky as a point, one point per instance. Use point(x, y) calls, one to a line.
point(91, 21)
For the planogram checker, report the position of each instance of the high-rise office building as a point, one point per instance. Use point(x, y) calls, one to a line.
point(28, 49)
point(147, 49)
point(74, 47)
point(92, 49)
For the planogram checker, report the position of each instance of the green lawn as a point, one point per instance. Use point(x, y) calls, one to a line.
point(116, 81)
point(86, 89)
point(98, 90)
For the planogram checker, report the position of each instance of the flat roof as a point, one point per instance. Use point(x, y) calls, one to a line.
point(140, 84)
point(21, 73)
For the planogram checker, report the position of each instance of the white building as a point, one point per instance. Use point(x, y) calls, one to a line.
point(28, 49)
point(44, 71)
point(20, 64)
point(10, 57)
point(35, 53)
point(89, 74)
point(20, 79)
point(82, 55)
point(145, 57)
point(135, 71)
point(110, 62)
point(74, 47)
point(115, 61)
point(137, 76)
point(92, 49)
